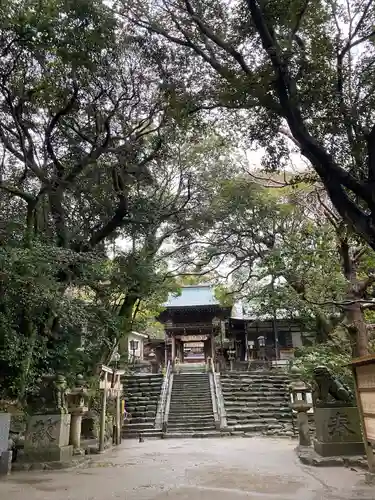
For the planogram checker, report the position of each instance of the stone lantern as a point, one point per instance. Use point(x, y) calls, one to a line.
point(299, 391)
point(77, 406)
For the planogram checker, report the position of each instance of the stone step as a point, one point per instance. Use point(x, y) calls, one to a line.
point(191, 402)
point(138, 426)
point(253, 376)
point(144, 400)
point(258, 418)
point(191, 379)
point(255, 403)
point(195, 390)
point(202, 379)
point(190, 427)
point(261, 413)
point(139, 391)
point(130, 383)
point(257, 409)
point(152, 433)
point(140, 420)
point(141, 401)
point(244, 383)
point(252, 399)
point(188, 393)
point(255, 427)
point(261, 406)
point(191, 411)
point(189, 399)
point(189, 390)
point(189, 418)
point(255, 392)
point(254, 387)
point(259, 381)
point(148, 387)
point(141, 406)
point(194, 408)
point(194, 434)
point(246, 379)
point(249, 388)
point(136, 412)
point(143, 414)
point(142, 396)
point(137, 388)
point(259, 374)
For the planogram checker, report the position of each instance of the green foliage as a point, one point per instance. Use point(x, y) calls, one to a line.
point(95, 155)
point(333, 355)
point(42, 322)
point(278, 76)
point(224, 296)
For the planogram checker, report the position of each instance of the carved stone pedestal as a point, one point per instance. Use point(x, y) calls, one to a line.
point(338, 431)
point(47, 439)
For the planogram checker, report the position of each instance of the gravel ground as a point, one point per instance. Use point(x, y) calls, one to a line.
point(194, 469)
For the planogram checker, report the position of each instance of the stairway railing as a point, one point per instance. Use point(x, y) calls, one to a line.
point(163, 401)
point(217, 400)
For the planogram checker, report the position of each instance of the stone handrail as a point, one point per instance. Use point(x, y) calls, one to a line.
point(160, 415)
point(217, 397)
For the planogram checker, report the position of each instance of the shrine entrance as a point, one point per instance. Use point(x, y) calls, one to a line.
point(191, 348)
point(193, 352)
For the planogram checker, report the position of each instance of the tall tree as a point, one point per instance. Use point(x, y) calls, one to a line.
point(92, 151)
point(298, 70)
point(284, 252)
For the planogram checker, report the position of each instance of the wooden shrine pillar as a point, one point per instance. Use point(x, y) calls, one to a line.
point(173, 348)
point(213, 346)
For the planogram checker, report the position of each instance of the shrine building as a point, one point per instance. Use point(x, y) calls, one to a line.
point(197, 327)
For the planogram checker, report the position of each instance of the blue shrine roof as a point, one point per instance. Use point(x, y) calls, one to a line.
point(193, 296)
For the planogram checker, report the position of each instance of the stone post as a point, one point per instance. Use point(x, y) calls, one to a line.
point(299, 391)
point(77, 407)
point(75, 431)
point(303, 422)
point(5, 455)
point(103, 412)
point(117, 387)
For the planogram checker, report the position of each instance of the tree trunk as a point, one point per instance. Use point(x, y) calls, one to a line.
point(355, 319)
point(357, 330)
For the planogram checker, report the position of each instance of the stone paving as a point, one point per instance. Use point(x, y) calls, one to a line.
point(195, 469)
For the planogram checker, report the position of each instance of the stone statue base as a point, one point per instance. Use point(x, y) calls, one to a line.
point(47, 439)
point(338, 431)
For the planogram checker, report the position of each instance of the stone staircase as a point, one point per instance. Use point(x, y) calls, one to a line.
point(257, 403)
point(190, 411)
point(142, 393)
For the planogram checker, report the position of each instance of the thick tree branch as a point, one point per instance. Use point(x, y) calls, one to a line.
point(53, 124)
